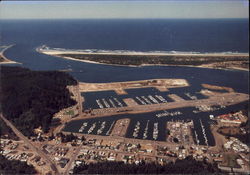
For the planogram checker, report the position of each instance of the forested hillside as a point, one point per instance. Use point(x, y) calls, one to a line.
point(30, 98)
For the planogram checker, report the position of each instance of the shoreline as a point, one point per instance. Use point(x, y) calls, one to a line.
point(57, 54)
point(5, 59)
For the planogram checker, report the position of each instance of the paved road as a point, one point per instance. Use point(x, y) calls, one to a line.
point(31, 146)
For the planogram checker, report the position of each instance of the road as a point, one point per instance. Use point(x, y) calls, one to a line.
point(30, 145)
point(79, 98)
point(73, 158)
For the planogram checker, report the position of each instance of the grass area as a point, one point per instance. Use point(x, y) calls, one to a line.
point(70, 112)
point(230, 160)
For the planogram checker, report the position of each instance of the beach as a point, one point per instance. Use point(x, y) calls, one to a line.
point(58, 51)
point(224, 60)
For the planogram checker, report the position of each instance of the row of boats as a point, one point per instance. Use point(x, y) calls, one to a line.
point(84, 125)
point(114, 102)
point(205, 108)
point(192, 97)
point(166, 114)
point(100, 130)
point(145, 134)
point(204, 132)
point(103, 103)
point(93, 126)
point(196, 138)
point(155, 131)
point(150, 99)
point(137, 129)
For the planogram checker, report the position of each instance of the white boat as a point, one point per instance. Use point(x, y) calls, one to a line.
point(106, 103)
point(118, 102)
point(144, 98)
point(99, 103)
point(141, 101)
point(112, 103)
point(153, 99)
point(161, 98)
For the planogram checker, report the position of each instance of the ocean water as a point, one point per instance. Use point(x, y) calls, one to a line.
point(189, 35)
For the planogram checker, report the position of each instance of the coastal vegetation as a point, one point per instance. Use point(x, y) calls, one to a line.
point(30, 98)
point(186, 166)
point(219, 61)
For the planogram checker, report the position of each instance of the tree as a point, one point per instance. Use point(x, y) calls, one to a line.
point(30, 98)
